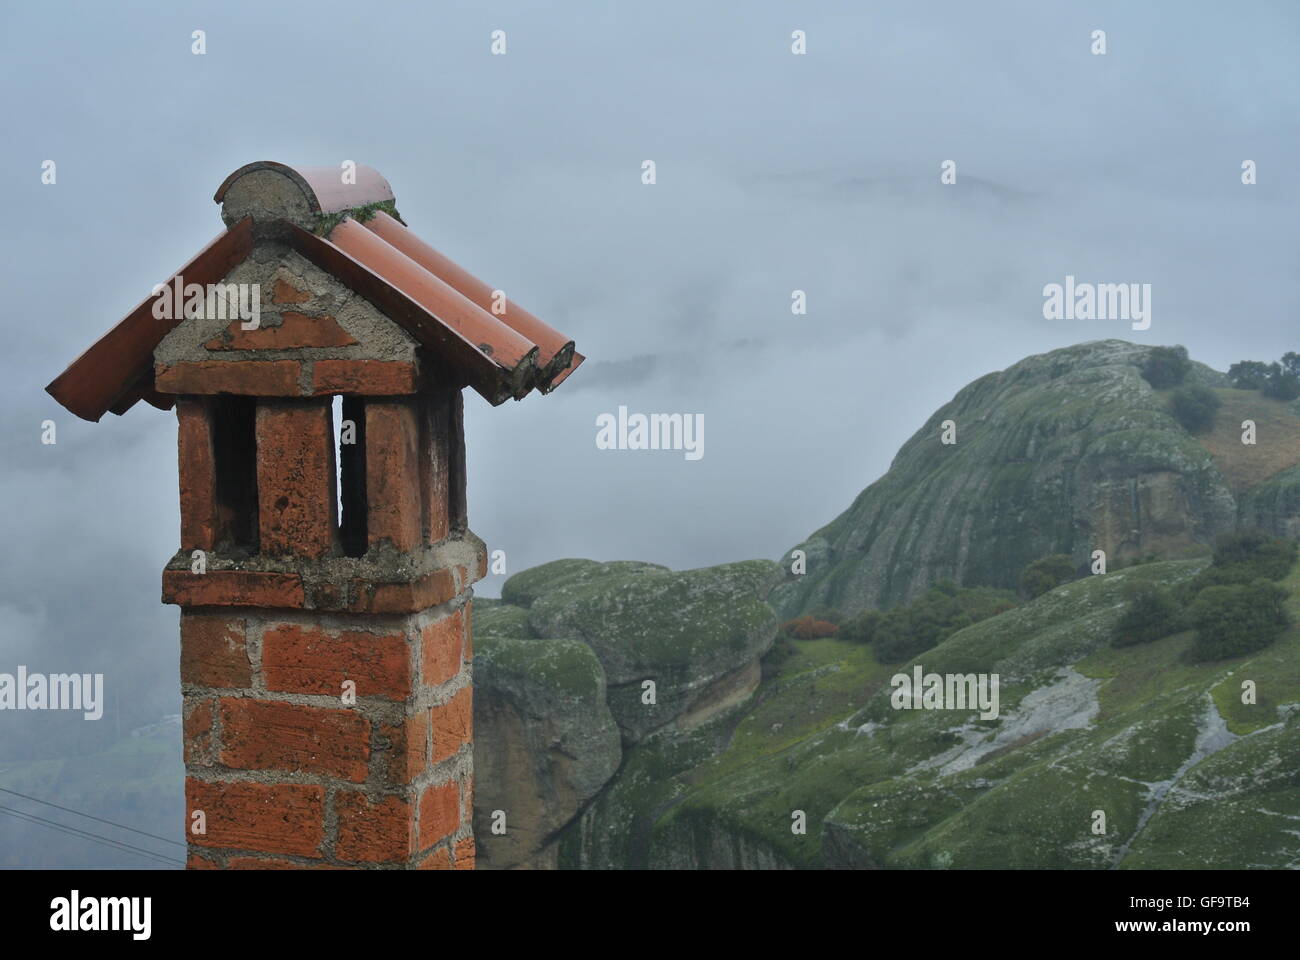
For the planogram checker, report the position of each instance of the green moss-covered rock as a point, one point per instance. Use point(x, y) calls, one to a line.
point(545, 741)
point(1066, 452)
point(696, 634)
point(497, 619)
point(527, 585)
point(1274, 505)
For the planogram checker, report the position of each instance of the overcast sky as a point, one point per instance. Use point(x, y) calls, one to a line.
point(775, 172)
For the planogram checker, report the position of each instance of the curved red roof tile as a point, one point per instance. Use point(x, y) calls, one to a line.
point(508, 349)
point(323, 186)
point(107, 375)
point(555, 350)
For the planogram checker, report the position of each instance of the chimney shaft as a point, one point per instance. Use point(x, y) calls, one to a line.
point(327, 699)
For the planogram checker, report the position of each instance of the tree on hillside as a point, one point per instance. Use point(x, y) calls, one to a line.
point(1281, 385)
point(1280, 381)
point(1166, 366)
point(1248, 375)
point(1152, 613)
point(1194, 406)
point(903, 632)
point(1244, 556)
point(861, 628)
point(1237, 619)
point(1045, 573)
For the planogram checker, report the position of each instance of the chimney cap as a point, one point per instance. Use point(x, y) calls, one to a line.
point(492, 344)
point(278, 191)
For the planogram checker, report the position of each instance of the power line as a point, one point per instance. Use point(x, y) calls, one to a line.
point(90, 836)
point(121, 826)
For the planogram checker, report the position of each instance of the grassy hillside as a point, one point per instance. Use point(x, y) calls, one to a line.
point(1185, 773)
point(1277, 446)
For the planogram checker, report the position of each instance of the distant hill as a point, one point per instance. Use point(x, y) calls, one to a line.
point(1065, 452)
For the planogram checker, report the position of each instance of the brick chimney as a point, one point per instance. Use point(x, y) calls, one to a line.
point(325, 566)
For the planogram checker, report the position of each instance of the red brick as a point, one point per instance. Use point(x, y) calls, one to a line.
point(294, 330)
point(469, 631)
point(393, 474)
point(214, 652)
point(441, 649)
point(409, 596)
point(232, 588)
point(439, 813)
point(374, 832)
point(408, 746)
point(198, 478)
point(299, 659)
point(195, 862)
point(372, 378)
point(268, 735)
point(286, 818)
point(465, 854)
point(260, 378)
point(439, 859)
point(287, 293)
point(295, 478)
point(197, 728)
point(452, 724)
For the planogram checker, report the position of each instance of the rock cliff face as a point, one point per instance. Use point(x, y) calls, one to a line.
point(1274, 505)
point(545, 740)
point(580, 659)
point(1066, 452)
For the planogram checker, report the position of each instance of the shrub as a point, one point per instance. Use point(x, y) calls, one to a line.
point(1138, 561)
point(1244, 556)
point(930, 619)
point(1248, 375)
point(808, 628)
point(1237, 619)
point(1166, 366)
point(862, 628)
point(828, 614)
point(781, 651)
point(1282, 386)
point(1281, 381)
point(1194, 406)
point(1152, 613)
point(1044, 574)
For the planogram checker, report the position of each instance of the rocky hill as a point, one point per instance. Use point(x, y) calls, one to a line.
point(1066, 452)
